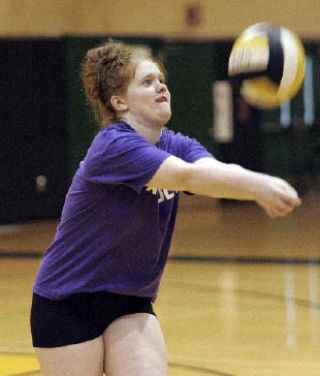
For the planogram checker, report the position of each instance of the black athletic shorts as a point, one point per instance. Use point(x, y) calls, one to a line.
point(80, 317)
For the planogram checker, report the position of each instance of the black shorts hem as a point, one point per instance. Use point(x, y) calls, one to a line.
point(80, 317)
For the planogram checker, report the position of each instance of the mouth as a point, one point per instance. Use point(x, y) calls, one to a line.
point(162, 99)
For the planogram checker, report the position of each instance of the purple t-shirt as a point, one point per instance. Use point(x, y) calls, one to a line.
point(115, 233)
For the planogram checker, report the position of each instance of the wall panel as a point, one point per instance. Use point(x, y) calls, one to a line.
point(217, 19)
point(33, 142)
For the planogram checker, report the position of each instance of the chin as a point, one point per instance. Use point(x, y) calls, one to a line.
point(162, 119)
point(164, 122)
point(167, 117)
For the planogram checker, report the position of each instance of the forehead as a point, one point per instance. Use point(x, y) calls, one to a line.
point(146, 68)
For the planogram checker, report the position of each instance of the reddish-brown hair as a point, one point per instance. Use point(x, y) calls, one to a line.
point(106, 71)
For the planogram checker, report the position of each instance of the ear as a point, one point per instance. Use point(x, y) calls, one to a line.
point(118, 103)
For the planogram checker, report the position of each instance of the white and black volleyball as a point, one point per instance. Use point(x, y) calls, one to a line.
point(269, 61)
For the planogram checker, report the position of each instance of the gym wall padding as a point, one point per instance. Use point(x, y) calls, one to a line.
point(190, 78)
point(34, 137)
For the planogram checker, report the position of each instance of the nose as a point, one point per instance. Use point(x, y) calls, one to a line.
point(161, 86)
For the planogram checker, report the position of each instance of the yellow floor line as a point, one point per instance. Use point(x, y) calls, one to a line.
point(15, 364)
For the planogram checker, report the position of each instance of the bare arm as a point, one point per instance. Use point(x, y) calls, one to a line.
point(212, 178)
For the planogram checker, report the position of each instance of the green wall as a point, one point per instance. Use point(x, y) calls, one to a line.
point(190, 78)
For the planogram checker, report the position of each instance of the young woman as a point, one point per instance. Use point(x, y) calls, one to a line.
point(92, 304)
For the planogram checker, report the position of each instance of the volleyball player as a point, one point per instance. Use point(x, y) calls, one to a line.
point(92, 304)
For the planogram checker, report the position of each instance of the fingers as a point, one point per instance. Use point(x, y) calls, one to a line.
point(279, 211)
point(282, 206)
point(289, 201)
point(290, 195)
point(284, 200)
point(277, 197)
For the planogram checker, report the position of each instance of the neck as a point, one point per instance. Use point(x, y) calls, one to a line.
point(151, 133)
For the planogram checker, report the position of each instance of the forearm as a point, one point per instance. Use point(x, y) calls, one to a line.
point(220, 180)
point(212, 178)
point(208, 177)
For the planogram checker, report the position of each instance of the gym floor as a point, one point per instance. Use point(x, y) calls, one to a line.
point(240, 294)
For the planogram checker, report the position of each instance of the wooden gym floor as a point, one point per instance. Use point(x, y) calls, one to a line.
point(240, 295)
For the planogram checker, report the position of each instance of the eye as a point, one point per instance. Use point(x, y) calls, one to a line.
point(147, 82)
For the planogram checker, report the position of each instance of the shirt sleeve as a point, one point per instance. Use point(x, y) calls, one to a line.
point(122, 158)
point(191, 150)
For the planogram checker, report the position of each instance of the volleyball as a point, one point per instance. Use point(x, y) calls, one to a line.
point(269, 63)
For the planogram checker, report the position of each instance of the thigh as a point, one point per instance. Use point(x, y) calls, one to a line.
point(82, 359)
point(134, 345)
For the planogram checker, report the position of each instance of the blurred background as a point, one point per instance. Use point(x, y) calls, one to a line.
point(46, 125)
